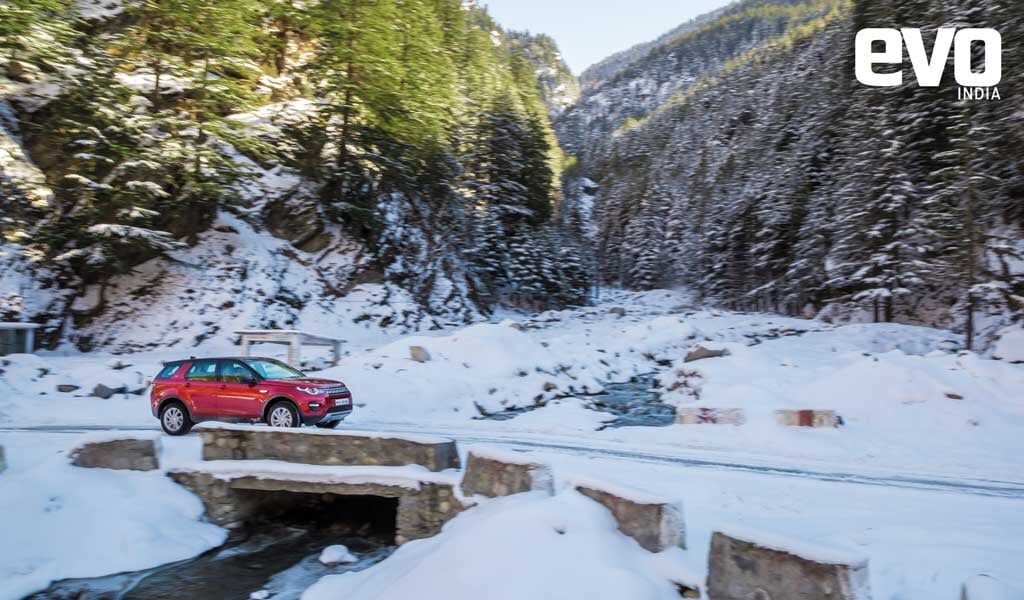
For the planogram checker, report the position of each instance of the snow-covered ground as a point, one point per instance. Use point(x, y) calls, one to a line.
point(913, 406)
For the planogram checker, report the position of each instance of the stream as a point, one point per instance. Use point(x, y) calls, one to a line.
point(634, 403)
point(280, 557)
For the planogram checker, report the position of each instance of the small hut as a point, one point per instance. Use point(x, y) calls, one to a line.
point(16, 338)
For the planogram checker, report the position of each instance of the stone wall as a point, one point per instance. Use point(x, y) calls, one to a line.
point(656, 526)
point(423, 507)
point(744, 570)
point(492, 476)
point(328, 449)
point(126, 454)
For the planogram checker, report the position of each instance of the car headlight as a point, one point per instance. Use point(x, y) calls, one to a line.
point(312, 391)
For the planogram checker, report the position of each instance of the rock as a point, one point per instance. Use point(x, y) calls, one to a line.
point(297, 446)
point(117, 364)
point(493, 476)
point(22, 71)
point(655, 524)
point(67, 388)
point(127, 454)
point(702, 352)
point(337, 555)
point(695, 415)
point(744, 570)
point(419, 354)
point(3, 460)
point(260, 595)
point(986, 587)
point(618, 311)
point(808, 418)
point(102, 391)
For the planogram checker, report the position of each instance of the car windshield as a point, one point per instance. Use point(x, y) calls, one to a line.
point(272, 369)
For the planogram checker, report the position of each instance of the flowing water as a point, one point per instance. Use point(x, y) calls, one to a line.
point(280, 557)
point(634, 403)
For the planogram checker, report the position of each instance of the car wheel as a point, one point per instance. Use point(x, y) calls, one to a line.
point(174, 419)
point(283, 414)
point(328, 425)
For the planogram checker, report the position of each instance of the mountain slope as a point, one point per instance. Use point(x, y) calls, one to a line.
point(783, 184)
point(411, 136)
point(631, 87)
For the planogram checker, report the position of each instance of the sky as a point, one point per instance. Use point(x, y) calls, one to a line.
point(589, 30)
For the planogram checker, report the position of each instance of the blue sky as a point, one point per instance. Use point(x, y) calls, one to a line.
point(589, 30)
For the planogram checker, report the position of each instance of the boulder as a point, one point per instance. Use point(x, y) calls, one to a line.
point(618, 311)
point(492, 475)
point(808, 418)
point(105, 392)
point(655, 524)
point(22, 71)
point(696, 415)
point(127, 454)
point(419, 354)
point(702, 352)
point(739, 569)
point(67, 388)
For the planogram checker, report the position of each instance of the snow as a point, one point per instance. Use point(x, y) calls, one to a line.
point(63, 522)
point(916, 409)
point(337, 554)
point(983, 587)
point(1010, 345)
point(523, 546)
point(407, 476)
point(816, 552)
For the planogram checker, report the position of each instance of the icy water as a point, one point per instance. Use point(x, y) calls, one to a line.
point(281, 558)
point(634, 403)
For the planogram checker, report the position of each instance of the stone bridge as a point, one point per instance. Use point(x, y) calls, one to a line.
point(418, 484)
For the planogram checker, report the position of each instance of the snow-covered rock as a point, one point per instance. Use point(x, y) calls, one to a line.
point(337, 555)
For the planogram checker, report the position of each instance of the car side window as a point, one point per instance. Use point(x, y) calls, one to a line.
point(202, 370)
point(233, 371)
point(168, 371)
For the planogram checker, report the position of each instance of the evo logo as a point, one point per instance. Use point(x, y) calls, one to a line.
point(929, 69)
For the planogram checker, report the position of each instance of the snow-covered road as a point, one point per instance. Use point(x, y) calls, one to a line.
point(726, 461)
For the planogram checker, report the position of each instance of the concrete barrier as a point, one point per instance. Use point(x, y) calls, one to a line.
point(316, 447)
point(808, 418)
point(492, 474)
point(740, 569)
point(124, 454)
point(693, 415)
point(656, 524)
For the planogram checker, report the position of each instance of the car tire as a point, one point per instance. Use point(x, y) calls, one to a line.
point(328, 425)
point(283, 414)
point(174, 419)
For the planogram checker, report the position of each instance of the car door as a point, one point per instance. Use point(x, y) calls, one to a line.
point(238, 394)
point(201, 387)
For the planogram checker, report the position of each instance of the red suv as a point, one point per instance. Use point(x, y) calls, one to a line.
point(186, 392)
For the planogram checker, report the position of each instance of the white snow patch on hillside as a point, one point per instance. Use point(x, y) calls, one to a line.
point(523, 546)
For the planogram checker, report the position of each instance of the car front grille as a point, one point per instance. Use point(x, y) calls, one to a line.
point(335, 390)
